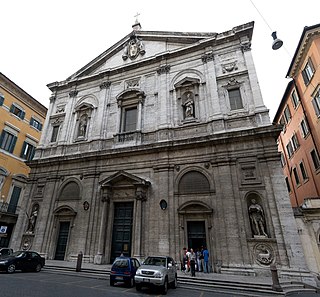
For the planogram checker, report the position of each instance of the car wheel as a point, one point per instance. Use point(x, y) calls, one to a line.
point(11, 268)
point(111, 282)
point(165, 287)
point(138, 287)
point(175, 283)
point(130, 283)
point(38, 268)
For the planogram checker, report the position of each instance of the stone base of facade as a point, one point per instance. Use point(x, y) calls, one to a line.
point(300, 276)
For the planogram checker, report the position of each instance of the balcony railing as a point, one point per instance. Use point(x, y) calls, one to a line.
point(128, 137)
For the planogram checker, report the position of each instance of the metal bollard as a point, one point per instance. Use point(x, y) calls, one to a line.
point(275, 279)
point(79, 262)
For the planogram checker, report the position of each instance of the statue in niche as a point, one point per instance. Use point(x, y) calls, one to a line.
point(257, 219)
point(189, 107)
point(83, 126)
point(32, 219)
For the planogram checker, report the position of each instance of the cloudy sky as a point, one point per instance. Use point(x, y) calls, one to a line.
point(43, 41)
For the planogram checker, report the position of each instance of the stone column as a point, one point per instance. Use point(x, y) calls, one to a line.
point(140, 198)
point(211, 87)
point(99, 258)
point(256, 93)
point(163, 72)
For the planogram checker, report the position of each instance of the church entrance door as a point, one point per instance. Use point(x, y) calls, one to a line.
point(196, 234)
point(62, 240)
point(122, 229)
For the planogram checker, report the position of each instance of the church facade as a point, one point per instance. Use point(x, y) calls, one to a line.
point(163, 142)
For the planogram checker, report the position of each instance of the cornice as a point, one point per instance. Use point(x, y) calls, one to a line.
point(307, 36)
point(22, 95)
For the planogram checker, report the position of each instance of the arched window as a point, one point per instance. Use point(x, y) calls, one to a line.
point(70, 191)
point(194, 182)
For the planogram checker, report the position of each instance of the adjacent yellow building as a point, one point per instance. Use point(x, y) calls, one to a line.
point(21, 120)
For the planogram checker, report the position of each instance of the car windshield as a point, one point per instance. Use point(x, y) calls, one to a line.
point(156, 261)
point(18, 254)
point(121, 263)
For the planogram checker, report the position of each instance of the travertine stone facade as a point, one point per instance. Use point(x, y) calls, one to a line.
point(161, 142)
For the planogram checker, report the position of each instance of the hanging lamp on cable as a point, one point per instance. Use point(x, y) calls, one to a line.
point(277, 43)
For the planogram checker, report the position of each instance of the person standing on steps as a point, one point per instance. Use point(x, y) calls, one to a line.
point(206, 260)
point(193, 258)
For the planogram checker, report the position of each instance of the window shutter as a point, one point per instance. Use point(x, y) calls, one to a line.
point(22, 114)
point(305, 78)
point(1, 99)
point(40, 127)
point(13, 143)
point(32, 153)
point(316, 107)
point(22, 151)
point(12, 108)
point(1, 137)
point(31, 121)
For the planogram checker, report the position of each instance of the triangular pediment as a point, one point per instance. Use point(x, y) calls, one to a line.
point(122, 178)
point(140, 46)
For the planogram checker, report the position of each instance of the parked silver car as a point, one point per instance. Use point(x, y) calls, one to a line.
point(157, 271)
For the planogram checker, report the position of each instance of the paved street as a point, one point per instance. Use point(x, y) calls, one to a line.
point(55, 285)
point(46, 284)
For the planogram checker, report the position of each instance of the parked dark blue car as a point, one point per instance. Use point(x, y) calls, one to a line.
point(123, 270)
point(22, 260)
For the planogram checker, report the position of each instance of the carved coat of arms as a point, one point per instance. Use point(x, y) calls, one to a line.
point(133, 48)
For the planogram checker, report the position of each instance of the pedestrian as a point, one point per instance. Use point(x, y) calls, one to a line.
point(201, 259)
point(184, 260)
point(198, 253)
point(206, 260)
point(188, 260)
point(193, 262)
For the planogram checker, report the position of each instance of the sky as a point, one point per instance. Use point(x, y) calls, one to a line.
point(43, 41)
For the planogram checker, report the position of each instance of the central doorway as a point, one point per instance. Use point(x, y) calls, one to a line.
point(196, 234)
point(122, 229)
point(62, 240)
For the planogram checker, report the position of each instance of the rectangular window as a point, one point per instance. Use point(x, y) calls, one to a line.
point(296, 176)
point(295, 142)
point(283, 160)
point(7, 141)
point(36, 124)
point(17, 111)
point(287, 114)
point(1, 99)
point(303, 171)
point(54, 135)
point(316, 103)
point(14, 199)
point(307, 72)
point(304, 128)
point(315, 159)
point(235, 99)
point(27, 151)
point(288, 185)
point(130, 119)
point(289, 149)
point(295, 100)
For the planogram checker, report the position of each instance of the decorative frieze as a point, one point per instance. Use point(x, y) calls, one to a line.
point(207, 57)
point(228, 67)
point(163, 69)
point(73, 93)
point(246, 46)
point(105, 85)
point(133, 83)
